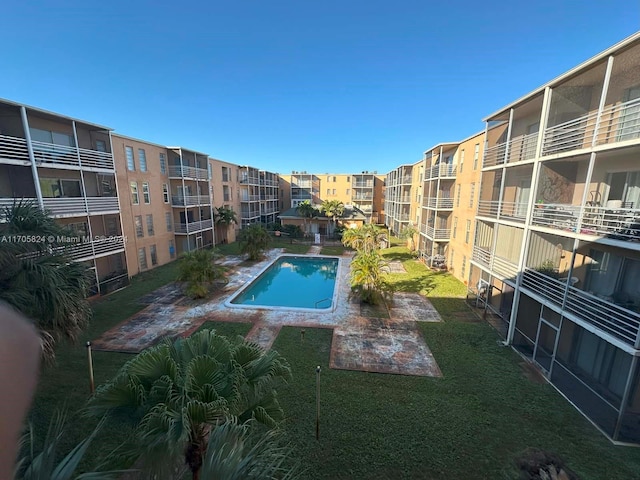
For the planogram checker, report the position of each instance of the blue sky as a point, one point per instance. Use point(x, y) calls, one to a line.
point(331, 86)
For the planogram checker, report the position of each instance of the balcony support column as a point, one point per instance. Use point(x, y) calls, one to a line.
point(603, 100)
point(84, 197)
point(32, 157)
point(625, 395)
point(504, 162)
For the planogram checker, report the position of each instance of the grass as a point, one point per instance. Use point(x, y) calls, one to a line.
point(469, 424)
point(337, 250)
point(228, 329)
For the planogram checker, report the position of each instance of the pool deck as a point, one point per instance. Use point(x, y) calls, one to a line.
point(361, 340)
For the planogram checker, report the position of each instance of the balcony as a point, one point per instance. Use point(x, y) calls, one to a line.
point(99, 247)
point(268, 211)
point(301, 184)
point(482, 256)
point(249, 179)
point(192, 227)
point(249, 214)
point(404, 199)
point(189, 200)
point(522, 148)
point(269, 197)
point(268, 183)
point(402, 217)
point(441, 170)
point(250, 198)
point(608, 317)
point(186, 171)
point(619, 123)
point(516, 211)
point(494, 155)
point(504, 267)
point(405, 180)
point(488, 208)
point(438, 234)
point(362, 196)
point(365, 184)
point(443, 203)
point(72, 207)
point(54, 156)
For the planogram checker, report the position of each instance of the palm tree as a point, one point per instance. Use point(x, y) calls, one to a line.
point(254, 240)
point(178, 393)
point(408, 233)
point(225, 217)
point(199, 270)
point(333, 209)
point(367, 281)
point(306, 210)
point(366, 238)
point(38, 278)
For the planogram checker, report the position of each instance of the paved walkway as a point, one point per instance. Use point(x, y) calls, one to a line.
point(363, 340)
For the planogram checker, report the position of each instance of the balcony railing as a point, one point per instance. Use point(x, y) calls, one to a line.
point(249, 179)
point(494, 155)
point(269, 197)
point(599, 312)
point(504, 267)
point(268, 183)
point(268, 211)
point(438, 233)
point(69, 207)
point(193, 227)
point(247, 214)
point(101, 247)
point(514, 210)
point(362, 196)
point(441, 170)
point(619, 122)
point(488, 208)
point(481, 255)
point(571, 135)
point(185, 171)
point(403, 217)
point(190, 200)
point(522, 148)
point(65, 155)
point(406, 179)
point(250, 198)
point(301, 184)
point(439, 202)
point(366, 184)
point(13, 148)
point(404, 199)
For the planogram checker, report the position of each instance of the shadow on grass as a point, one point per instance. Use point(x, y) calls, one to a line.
point(398, 255)
point(422, 285)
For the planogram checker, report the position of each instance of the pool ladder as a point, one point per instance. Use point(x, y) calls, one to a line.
point(320, 301)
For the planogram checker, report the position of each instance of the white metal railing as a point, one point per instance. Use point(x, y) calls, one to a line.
point(362, 196)
point(367, 184)
point(488, 208)
point(504, 267)
point(13, 148)
point(406, 179)
point(522, 148)
point(514, 210)
point(98, 247)
point(250, 179)
point(439, 202)
point(619, 122)
point(60, 207)
point(441, 170)
point(404, 199)
point(558, 216)
point(268, 183)
point(249, 214)
point(403, 217)
point(186, 171)
point(438, 233)
point(268, 211)
point(269, 197)
point(187, 200)
point(620, 223)
point(192, 227)
point(44, 152)
point(249, 198)
point(481, 255)
point(494, 155)
point(571, 135)
point(544, 285)
point(301, 184)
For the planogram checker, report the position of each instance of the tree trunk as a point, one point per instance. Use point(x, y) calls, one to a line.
point(193, 457)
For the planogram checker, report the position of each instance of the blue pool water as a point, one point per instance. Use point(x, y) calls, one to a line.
point(299, 282)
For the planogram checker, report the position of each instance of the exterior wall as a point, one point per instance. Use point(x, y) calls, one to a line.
point(157, 206)
point(226, 193)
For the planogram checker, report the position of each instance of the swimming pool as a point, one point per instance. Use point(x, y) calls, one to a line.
point(292, 282)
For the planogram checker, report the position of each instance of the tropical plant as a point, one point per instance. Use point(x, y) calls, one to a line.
point(234, 452)
point(225, 217)
point(254, 240)
point(367, 238)
point(47, 465)
point(333, 209)
point(306, 210)
point(199, 270)
point(409, 233)
point(177, 393)
point(38, 278)
point(367, 280)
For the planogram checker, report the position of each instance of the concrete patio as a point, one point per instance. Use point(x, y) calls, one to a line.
point(362, 340)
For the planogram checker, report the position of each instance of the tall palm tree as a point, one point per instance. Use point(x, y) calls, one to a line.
point(367, 280)
point(199, 270)
point(178, 393)
point(254, 240)
point(306, 210)
point(225, 217)
point(366, 238)
point(38, 278)
point(409, 233)
point(333, 209)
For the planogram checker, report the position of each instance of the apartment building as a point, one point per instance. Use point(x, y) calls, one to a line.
point(66, 167)
point(556, 257)
point(403, 197)
point(269, 197)
point(225, 193)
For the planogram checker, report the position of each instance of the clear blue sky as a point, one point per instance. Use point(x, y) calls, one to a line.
point(328, 86)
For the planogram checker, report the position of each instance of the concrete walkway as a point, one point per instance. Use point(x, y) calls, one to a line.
point(362, 340)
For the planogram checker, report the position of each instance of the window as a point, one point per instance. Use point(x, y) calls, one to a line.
point(163, 164)
point(467, 232)
point(473, 194)
point(461, 160)
point(135, 200)
point(464, 266)
point(101, 146)
point(60, 188)
point(153, 254)
point(334, 190)
point(348, 179)
point(56, 138)
point(131, 163)
point(172, 249)
point(142, 258)
point(145, 193)
point(138, 224)
point(150, 224)
point(348, 191)
point(225, 174)
point(451, 259)
point(167, 218)
point(142, 158)
point(458, 188)
point(165, 193)
point(328, 191)
point(476, 154)
point(455, 226)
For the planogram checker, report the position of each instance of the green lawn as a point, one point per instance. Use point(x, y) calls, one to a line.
point(333, 250)
point(228, 329)
point(467, 425)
